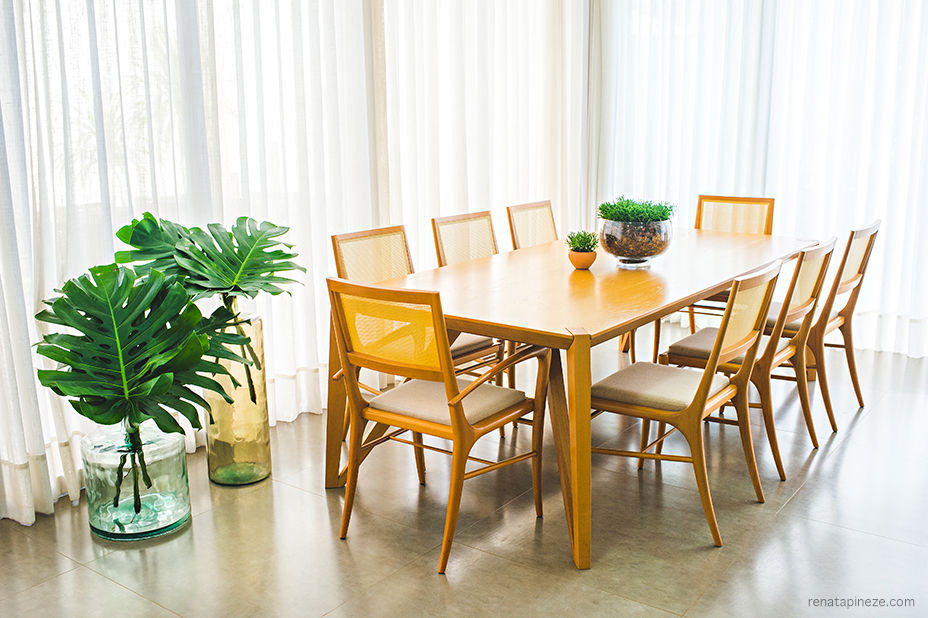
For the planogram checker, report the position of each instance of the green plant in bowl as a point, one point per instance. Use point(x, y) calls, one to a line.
point(635, 231)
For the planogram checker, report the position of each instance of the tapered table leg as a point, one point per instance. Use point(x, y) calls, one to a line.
point(578, 412)
point(335, 418)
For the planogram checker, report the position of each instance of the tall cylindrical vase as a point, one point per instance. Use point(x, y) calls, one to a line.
point(238, 443)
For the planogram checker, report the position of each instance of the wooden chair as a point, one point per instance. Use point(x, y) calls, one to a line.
point(798, 310)
point(683, 398)
point(531, 224)
point(741, 215)
point(850, 274)
point(403, 332)
point(372, 256)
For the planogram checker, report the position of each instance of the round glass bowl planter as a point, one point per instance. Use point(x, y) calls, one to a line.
point(165, 506)
point(634, 243)
point(238, 437)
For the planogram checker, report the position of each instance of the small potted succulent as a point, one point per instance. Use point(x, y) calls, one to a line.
point(635, 231)
point(582, 249)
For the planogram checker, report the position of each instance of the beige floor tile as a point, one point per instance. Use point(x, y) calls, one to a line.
point(27, 559)
point(79, 592)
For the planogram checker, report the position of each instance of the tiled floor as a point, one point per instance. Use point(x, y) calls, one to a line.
point(850, 521)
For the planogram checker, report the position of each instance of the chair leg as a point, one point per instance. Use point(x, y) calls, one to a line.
point(799, 367)
point(846, 333)
point(692, 313)
point(420, 456)
point(661, 430)
point(458, 462)
point(645, 438)
point(538, 435)
point(657, 341)
point(818, 350)
point(354, 464)
point(744, 425)
point(763, 387)
point(631, 345)
point(694, 438)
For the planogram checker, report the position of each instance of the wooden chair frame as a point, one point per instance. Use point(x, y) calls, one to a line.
point(438, 222)
point(830, 320)
point(689, 421)
point(511, 210)
point(459, 430)
point(774, 356)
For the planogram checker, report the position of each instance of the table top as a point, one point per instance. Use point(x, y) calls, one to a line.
point(536, 294)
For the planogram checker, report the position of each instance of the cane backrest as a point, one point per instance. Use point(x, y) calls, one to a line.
point(372, 256)
point(741, 215)
point(461, 238)
point(531, 224)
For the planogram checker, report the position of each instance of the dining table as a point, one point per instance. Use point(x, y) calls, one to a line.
point(535, 296)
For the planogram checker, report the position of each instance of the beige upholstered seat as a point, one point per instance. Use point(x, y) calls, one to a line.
point(655, 386)
point(700, 345)
point(428, 401)
point(467, 343)
point(792, 327)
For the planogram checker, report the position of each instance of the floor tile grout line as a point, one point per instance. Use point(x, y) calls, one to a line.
point(47, 579)
point(135, 592)
point(859, 531)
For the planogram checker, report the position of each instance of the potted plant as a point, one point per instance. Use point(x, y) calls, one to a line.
point(635, 231)
point(582, 249)
point(228, 264)
point(132, 349)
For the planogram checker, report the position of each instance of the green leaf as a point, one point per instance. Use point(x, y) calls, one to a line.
point(137, 350)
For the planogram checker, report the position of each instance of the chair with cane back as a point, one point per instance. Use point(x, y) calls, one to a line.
point(403, 332)
point(683, 397)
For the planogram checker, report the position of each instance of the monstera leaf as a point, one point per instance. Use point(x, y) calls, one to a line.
point(154, 243)
point(132, 354)
point(137, 351)
point(242, 262)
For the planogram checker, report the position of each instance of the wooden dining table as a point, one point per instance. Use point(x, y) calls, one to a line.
point(535, 296)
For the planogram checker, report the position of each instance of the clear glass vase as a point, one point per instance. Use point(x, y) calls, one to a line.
point(238, 438)
point(165, 506)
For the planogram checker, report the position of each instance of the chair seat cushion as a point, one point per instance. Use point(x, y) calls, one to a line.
point(655, 386)
point(699, 345)
point(428, 401)
point(467, 343)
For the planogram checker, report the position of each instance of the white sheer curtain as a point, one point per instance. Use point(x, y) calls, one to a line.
point(484, 108)
point(821, 105)
point(198, 112)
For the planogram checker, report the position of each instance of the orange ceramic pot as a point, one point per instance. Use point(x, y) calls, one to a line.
point(582, 260)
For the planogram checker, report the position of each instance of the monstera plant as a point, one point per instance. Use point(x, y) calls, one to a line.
point(134, 348)
point(218, 262)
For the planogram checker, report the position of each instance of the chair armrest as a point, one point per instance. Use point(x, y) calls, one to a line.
point(518, 357)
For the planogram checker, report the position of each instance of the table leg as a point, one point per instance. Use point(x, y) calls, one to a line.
point(579, 381)
point(560, 424)
point(335, 417)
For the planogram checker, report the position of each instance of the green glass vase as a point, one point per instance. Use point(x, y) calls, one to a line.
point(238, 437)
point(163, 507)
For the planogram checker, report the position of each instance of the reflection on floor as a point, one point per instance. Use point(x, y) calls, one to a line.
point(848, 522)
